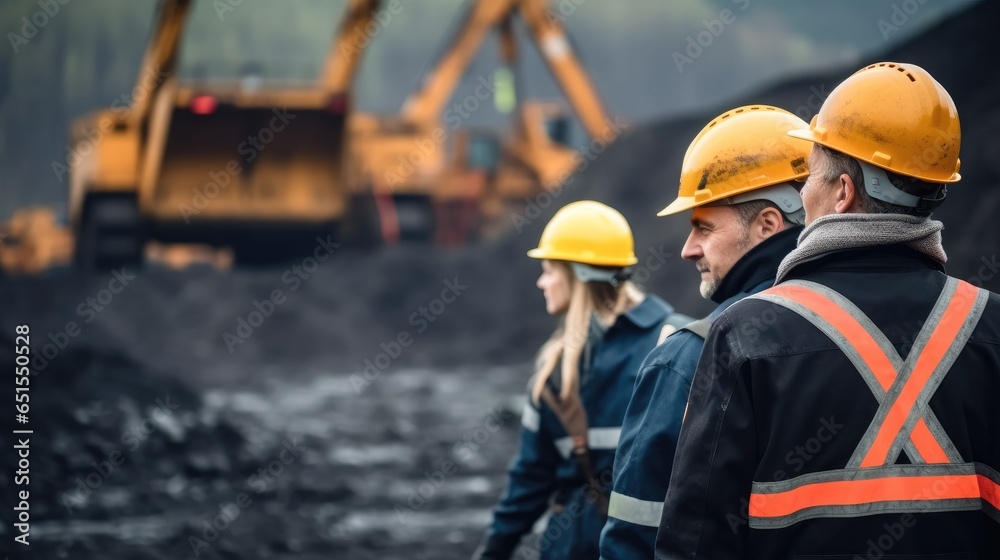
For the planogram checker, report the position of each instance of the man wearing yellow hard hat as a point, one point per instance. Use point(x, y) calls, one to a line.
point(582, 384)
point(851, 410)
point(738, 183)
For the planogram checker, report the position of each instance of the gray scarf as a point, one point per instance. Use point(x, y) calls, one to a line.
point(836, 232)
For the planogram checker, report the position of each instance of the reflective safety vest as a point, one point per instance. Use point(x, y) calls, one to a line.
point(937, 477)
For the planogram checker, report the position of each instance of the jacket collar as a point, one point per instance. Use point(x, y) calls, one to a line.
point(649, 312)
point(759, 264)
point(880, 258)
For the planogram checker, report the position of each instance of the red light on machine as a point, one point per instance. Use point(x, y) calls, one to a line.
point(204, 105)
point(338, 104)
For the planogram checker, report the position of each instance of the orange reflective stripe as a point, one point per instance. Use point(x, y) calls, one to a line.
point(940, 341)
point(928, 446)
point(860, 492)
point(848, 326)
point(938, 479)
point(874, 357)
point(989, 490)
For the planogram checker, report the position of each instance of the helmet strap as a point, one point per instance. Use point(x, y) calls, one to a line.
point(783, 195)
point(587, 273)
point(878, 186)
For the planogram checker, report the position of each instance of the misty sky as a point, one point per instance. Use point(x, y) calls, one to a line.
point(638, 51)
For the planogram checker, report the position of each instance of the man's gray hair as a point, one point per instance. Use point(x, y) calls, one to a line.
point(837, 164)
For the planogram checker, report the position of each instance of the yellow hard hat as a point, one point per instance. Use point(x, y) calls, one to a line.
point(894, 116)
point(587, 232)
point(742, 150)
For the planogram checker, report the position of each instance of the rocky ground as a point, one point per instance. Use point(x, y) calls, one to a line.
point(130, 463)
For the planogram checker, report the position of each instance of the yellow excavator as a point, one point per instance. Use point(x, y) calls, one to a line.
point(264, 170)
point(426, 192)
point(242, 164)
point(33, 241)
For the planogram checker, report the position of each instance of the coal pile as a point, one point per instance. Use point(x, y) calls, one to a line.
point(112, 436)
point(638, 174)
point(132, 463)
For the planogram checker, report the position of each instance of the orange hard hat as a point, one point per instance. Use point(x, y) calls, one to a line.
point(894, 116)
point(742, 150)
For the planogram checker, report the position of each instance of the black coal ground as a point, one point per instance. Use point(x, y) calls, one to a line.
point(134, 464)
point(372, 479)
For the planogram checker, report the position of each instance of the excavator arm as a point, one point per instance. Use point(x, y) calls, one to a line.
point(161, 53)
point(348, 46)
point(427, 103)
point(550, 38)
point(552, 42)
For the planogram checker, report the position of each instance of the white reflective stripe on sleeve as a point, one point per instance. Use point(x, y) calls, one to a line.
point(634, 510)
point(530, 418)
point(597, 438)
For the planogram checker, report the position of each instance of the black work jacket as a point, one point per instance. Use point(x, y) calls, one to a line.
point(779, 415)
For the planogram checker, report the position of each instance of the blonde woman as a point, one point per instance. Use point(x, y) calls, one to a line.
point(584, 379)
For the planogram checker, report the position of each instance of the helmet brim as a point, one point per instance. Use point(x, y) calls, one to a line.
point(539, 253)
point(803, 134)
point(681, 204)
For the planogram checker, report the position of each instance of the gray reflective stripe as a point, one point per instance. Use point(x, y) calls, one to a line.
point(530, 418)
point(877, 389)
point(903, 368)
point(922, 405)
point(699, 327)
point(923, 337)
point(845, 346)
point(991, 509)
point(938, 469)
point(597, 438)
point(874, 385)
point(875, 508)
point(922, 503)
point(634, 510)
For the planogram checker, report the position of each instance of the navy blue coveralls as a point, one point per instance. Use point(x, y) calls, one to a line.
point(544, 471)
point(653, 418)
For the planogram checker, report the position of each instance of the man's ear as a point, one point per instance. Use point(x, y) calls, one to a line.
point(847, 195)
point(766, 224)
